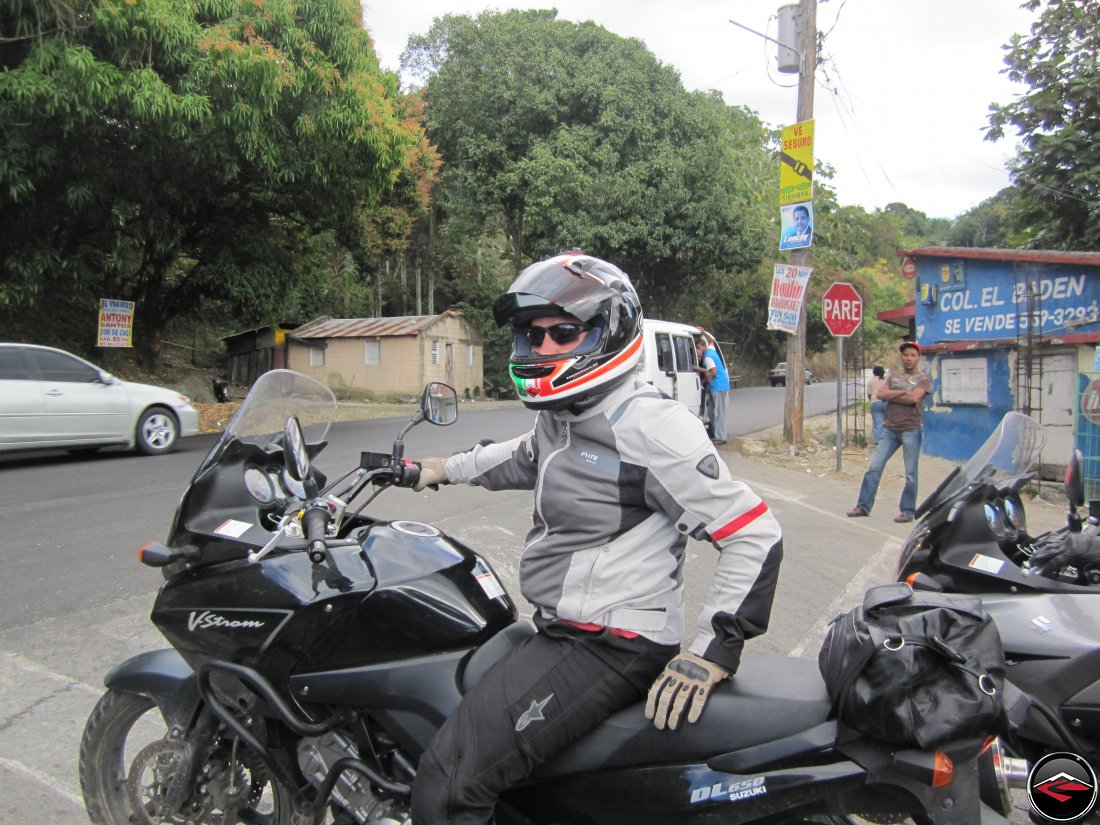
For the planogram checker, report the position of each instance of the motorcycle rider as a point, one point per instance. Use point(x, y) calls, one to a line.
point(621, 476)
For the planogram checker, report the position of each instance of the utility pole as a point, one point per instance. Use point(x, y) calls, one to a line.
point(796, 344)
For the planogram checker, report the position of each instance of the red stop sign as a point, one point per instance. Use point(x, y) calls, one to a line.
point(842, 309)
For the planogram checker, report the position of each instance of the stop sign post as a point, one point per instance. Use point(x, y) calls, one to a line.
point(842, 312)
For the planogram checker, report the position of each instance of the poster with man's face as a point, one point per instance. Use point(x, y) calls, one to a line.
point(797, 225)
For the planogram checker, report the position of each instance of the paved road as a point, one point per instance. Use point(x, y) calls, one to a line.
point(74, 600)
point(72, 526)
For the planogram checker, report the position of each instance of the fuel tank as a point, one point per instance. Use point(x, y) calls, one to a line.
point(402, 589)
point(1052, 645)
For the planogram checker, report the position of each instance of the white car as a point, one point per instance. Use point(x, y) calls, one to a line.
point(51, 399)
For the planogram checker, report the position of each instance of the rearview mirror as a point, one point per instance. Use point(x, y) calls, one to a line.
point(1075, 482)
point(439, 404)
point(294, 450)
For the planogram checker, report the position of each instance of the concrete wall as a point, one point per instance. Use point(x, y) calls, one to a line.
point(955, 431)
point(455, 370)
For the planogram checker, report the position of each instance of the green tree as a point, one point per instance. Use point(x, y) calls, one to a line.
point(989, 224)
point(1057, 169)
point(572, 136)
point(166, 151)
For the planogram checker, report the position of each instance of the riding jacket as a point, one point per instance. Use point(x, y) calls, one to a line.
point(618, 489)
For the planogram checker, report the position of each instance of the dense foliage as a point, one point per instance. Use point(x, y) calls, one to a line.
point(563, 134)
point(172, 150)
point(230, 163)
point(1057, 170)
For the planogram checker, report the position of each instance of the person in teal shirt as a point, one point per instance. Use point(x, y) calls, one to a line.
point(718, 383)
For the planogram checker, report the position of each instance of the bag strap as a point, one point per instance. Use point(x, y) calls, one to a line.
point(953, 658)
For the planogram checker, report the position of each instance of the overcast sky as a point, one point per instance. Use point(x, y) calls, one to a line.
point(900, 103)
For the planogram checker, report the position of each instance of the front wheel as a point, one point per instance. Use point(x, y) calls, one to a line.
point(127, 764)
point(157, 431)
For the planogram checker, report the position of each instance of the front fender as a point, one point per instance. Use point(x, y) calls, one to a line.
point(164, 677)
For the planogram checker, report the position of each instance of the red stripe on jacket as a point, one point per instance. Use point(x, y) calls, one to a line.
point(739, 522)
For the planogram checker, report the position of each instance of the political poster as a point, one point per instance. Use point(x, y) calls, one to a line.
point(116, 323)
point(797, 226)
point(787, 296)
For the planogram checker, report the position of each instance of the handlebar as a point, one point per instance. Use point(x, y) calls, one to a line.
point(407, 474)
point(374, 469)
point(314, 522)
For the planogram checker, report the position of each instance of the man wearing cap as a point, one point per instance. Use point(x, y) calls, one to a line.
point(903, 393)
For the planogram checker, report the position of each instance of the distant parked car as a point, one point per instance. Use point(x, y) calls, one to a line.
point(777, 375)
point(52, 399)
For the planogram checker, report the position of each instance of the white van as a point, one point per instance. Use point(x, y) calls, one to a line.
point(669, 361)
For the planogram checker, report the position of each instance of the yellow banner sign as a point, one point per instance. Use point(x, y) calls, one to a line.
point(796, 163)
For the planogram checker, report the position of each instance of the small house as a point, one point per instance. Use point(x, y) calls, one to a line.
point(389, 356)
point(251, 353)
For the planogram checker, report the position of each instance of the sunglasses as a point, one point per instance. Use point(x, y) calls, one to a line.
point(559, 333)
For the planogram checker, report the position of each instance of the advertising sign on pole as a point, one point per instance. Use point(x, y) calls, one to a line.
point(787, 296)
point(116, 323)
point(796, 163)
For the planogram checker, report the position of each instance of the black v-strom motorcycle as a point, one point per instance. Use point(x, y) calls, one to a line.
point(315, 651)
point(1043, 591)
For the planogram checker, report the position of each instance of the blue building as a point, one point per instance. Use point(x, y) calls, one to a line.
point(1003, 330)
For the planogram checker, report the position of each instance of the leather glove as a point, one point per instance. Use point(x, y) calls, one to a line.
point(687, 678)
point(1077, 549)
point(433, 471)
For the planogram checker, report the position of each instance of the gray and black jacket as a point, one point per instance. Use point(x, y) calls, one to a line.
point(618, 489)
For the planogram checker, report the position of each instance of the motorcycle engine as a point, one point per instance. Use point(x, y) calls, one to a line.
point(352, 792)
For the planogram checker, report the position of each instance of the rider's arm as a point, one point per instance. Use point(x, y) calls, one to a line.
point(692, 485)
point(510, 465)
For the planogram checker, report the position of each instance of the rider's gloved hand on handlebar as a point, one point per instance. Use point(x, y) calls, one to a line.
point(433, 471)
point(1075, 549)
point(686, 679)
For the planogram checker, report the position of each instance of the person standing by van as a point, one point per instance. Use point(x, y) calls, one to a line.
point(718, 383)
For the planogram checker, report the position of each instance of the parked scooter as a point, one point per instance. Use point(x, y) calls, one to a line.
point(315, 651)
point(1043, 591)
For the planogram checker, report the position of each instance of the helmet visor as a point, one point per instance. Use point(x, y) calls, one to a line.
point(527, 338)
point(563, 283)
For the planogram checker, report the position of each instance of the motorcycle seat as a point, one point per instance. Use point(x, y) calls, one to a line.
point(770, 697)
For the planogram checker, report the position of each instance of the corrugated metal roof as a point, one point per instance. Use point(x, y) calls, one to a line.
point(364, 327)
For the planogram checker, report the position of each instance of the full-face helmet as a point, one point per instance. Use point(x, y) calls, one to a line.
point(598, 294)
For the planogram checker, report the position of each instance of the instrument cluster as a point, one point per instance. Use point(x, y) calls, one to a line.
point(1006, 518)
point(271, 486)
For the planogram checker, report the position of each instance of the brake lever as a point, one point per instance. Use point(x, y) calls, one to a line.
point(280, 534)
